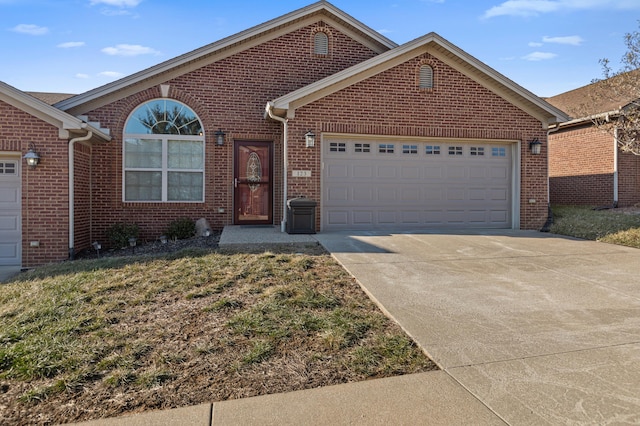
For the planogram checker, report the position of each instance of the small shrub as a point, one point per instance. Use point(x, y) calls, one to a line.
point(181, 229)
point(118, 234)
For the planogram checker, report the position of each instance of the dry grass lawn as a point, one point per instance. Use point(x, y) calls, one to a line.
point(102, 338)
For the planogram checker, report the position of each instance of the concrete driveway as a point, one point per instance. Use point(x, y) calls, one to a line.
point(540, 329)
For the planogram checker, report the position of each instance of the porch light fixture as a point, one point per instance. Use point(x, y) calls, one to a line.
point(535, 145)
point(220, 137)
point(31, 157)
point(310, 139)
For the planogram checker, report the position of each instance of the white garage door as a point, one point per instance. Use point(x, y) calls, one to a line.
point(10, 212)
point(377, 184)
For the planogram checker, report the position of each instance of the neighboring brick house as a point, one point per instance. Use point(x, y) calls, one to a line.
point(313, 104)
point(586, 166)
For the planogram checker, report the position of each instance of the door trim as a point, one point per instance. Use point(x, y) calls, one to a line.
point(237, 182)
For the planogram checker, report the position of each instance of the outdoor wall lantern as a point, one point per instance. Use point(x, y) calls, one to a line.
point(535, 145)
point(310, 138)
point(220, 137)
point(31, 157)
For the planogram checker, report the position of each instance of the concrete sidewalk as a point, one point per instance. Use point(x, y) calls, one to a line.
point(528, 329)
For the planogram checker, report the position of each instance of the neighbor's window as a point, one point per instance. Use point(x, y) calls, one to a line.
point(163, 153)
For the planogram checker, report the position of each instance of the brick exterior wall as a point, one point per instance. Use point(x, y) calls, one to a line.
point(44, 194)
point(230, 94)
point(581, 169)
point(391, 103)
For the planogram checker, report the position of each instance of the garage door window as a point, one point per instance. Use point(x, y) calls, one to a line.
point(409, 149)
point(363, 147)
point(455, 150)
point(499, 151)
point(8, 168)
point(338, 147)
point(386, 148)
point(477, 151)
point(432, 150)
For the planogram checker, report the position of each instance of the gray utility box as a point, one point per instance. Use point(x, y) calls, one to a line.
point(301, 216)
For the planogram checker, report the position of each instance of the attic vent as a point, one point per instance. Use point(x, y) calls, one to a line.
point(320, 43)
point(426, 77)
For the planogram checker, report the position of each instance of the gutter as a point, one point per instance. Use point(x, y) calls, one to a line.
point(615, 168)
point(285, 154)
point(72, 143)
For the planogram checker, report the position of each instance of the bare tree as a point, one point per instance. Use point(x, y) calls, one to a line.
point(614, 100)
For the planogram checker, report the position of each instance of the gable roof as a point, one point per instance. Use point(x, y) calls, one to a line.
point(224, 48)
point(50, 98)
point(437, 46)
point(593, 99)
point(68, 125)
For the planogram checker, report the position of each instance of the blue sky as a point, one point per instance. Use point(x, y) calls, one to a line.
point(71, 46)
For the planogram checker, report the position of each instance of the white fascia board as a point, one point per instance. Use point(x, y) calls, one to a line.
point(395, 56)
point(45, 112)
point(221, 45)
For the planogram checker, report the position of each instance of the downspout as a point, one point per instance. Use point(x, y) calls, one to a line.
point(615, 167)
point(72, 143)
point(547, 225)
point(285, 171)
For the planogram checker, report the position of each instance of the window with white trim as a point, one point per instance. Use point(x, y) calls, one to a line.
point(409, 149)
point(455, 150)
point(498, 151)
point(163, 154)
point(9, 168)
point(338, 147)
point(476, 151)
point(432, 150)
point(386, 148)
point(363, 147)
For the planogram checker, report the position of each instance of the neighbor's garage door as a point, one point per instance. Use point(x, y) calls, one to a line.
point(377, 184)
point(10, 213)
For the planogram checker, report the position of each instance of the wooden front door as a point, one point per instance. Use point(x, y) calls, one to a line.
point(253, 186)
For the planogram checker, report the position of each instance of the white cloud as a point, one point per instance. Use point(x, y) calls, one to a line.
point(111, 74)
point(539, 56)
point(572, 40)
point(535, 44)
point(129, 50)
point(30, 29)
point(537, 7)
point(71, 44)
point(82, 76)
point(117, 3)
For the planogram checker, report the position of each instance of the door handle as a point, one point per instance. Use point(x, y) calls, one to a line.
point(235, 182)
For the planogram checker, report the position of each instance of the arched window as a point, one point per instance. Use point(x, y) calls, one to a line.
point(321, 43)
point(426, 77)
point(163, 154)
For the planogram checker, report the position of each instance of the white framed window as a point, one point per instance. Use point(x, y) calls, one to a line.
point(498, 151)
point(363, 147)
point(409, 149)
point(455, 150)
point(386, 148)
point(432, 150)
point(337, 147)
point(163, 154)
point(8, 168)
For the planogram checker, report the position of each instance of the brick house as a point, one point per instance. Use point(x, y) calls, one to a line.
point(586, 166)
point(313, 103)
